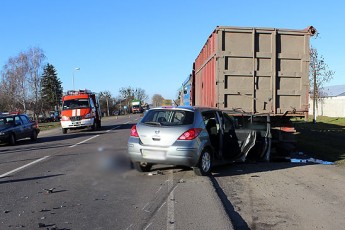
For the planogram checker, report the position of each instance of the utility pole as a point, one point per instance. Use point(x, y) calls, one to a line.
point(314, 99)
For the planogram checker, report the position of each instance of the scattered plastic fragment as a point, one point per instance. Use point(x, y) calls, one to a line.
point(311, 160)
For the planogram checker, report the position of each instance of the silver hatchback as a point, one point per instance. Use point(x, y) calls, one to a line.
point(187, 136)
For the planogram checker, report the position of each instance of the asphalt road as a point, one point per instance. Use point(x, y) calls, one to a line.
point(82, 180)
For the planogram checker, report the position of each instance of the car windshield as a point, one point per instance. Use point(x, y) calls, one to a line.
point(75, 104)
point(168, 117)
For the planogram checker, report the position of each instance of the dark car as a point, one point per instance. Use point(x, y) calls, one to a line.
point(15, 127)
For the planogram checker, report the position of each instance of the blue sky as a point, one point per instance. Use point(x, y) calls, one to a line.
point(151, 44)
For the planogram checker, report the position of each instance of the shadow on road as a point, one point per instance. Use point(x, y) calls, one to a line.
point(29, 178)
point(236, 169)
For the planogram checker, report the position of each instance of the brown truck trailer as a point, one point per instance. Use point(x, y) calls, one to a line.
point(257, 72)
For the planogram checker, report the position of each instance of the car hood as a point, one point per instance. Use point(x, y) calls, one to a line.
point(5, 128)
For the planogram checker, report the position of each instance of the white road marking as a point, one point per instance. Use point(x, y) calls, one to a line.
point(145, 206)
point(24, 166)
point(158, 189)
point(148, 226)
point(116, 127)
point(83, 141)
point(129, 226)
point(171, 203)
point(161, 206)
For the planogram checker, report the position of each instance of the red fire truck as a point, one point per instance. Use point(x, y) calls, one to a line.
point(80, 109)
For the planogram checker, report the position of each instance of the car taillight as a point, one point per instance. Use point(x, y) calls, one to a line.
point(64, 118)
point(134, 132)
point(190, 134)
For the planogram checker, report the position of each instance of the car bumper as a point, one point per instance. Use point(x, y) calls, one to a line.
point(176, 154)
point(77, 124)
point(4, 138)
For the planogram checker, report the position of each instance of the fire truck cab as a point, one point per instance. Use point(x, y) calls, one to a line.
point(80, 109)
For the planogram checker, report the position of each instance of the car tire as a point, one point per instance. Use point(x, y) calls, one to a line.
point(64, 130)
point(93, 126)
point(205, 163)
point(142, 166)
point(33, 136)
point(12, 139)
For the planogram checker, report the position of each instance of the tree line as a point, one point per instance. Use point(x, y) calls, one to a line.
point(29, 85)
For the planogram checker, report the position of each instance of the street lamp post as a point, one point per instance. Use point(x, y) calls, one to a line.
point(73, 76)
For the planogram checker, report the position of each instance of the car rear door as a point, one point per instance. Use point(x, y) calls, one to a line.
point(27, 126)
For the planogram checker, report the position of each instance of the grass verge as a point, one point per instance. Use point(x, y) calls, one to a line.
point(323, 140)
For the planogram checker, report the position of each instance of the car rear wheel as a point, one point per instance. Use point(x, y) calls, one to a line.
point(34, 135)
point(205, 164)
point(142, 166)
point(12, 139)
point(64, 130)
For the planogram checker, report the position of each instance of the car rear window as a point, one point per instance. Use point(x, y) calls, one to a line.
point(168, 117)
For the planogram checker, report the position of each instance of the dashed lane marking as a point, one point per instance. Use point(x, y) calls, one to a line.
point(24, 166)
point(72, 146)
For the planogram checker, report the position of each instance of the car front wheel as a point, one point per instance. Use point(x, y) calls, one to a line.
point(205, 164)
point(142, 166)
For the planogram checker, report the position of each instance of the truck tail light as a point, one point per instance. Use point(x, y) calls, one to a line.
point(65, 118)
point(134, 132)
point(190, 134)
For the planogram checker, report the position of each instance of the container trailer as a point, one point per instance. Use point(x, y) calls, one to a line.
point(255, 72)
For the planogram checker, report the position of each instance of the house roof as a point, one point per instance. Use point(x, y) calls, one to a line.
point(334, 91)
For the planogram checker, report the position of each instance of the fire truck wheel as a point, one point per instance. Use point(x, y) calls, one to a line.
point(64, 130)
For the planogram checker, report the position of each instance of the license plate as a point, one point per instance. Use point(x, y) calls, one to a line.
point(76, 123)
point(156, 155)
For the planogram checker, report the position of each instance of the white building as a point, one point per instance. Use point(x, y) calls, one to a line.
point(332, 104)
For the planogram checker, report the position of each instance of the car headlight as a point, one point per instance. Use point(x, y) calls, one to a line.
point(87, 115)
point(2, 134)
point(65, 118)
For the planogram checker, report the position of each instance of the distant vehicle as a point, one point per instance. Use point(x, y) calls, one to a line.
point(194, 137)
point(136, 106)
point(15, 127)
point(80, 109)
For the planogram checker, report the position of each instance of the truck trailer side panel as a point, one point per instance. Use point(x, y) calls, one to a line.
point(257, 70)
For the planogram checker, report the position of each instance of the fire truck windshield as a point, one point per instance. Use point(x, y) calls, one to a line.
point(75, 104)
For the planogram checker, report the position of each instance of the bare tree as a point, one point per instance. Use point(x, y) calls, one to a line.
point(127, 94)
point(35, 58)
point(21, 79)
point(14, 81)
point(105, 97)
point(319, 74)
point(157, 100)
point(139, 94)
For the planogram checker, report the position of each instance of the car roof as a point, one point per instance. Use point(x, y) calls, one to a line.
point(11, 115)
point(187, 108)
